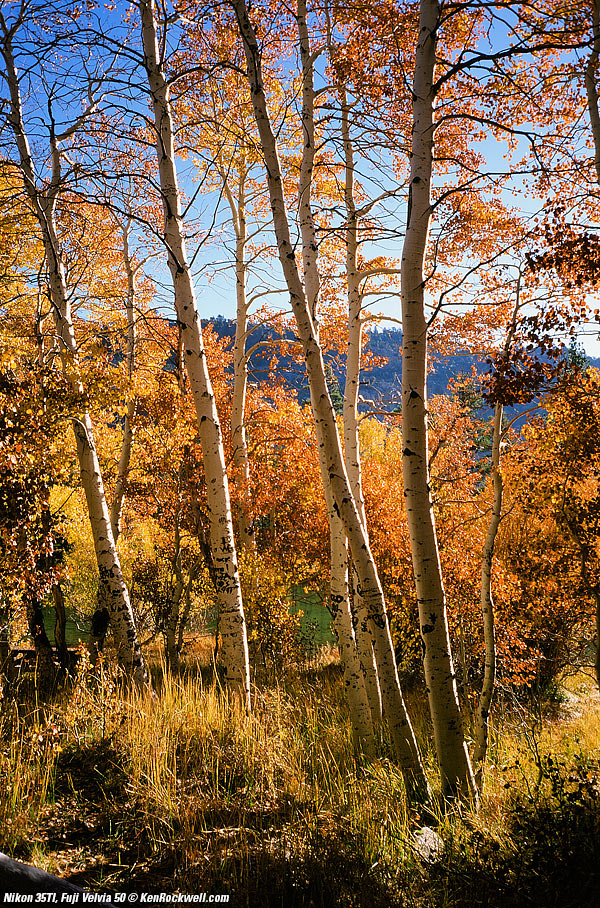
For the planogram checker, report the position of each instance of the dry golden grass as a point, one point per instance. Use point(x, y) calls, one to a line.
point(185, 788)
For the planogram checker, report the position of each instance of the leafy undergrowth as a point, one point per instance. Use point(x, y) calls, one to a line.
point(547, 855)
point(186, 793)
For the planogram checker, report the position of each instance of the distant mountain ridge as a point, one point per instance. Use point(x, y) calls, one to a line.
point(380, 384)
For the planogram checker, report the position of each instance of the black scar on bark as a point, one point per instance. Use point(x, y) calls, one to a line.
point(100, 620)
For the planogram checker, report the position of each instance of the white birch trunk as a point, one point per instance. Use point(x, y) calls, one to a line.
point(452, 753)
point(310, 249)
point(339, 544)
point(366, 652)
point(232, 623)
point(117, 598)
point(330, 452)
point(487, 603)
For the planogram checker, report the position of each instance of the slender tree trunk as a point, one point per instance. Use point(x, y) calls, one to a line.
point(330, 452)
point(60, 626)
point(356, 686)
point(43, 203)
point(310, 249)
point(349, 653)
point(7, 665)
point(45, 666)
point(172, 617)
point(591, 86)
point(241, 460)
point(594, 112)
point(116, 596)
point(116, 511)
point(96, 643)
point(231, 611)
point(172, 626)
point(452, 753)
point(487, 603)
point(354, 681)
point(185, 614)
point(177, 616)
point(351, 392)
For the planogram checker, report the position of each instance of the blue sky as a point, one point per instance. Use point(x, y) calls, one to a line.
point(214, 280)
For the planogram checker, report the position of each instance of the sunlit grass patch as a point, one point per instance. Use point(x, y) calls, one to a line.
point(186, 790)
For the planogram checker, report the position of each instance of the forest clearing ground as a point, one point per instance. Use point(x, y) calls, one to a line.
point(187, 794)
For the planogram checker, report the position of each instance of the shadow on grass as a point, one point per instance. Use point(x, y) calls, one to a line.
point(274, 854)
point(253, 856)
point(327, 871)
point(550, 856)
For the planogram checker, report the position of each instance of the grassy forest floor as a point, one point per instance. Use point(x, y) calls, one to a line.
point(185, 793)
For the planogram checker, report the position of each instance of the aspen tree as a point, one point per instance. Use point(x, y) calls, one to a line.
point(364, 643)
point(481, 733)
point(116, 510)
point(351, 392)
point(452, 753)
point(172, 619)
point(44, 199)
point(241, 460)
point(453, 757)
point(360, 709)
point(232, 624)
point(334, 471)
point(354, 682)
point(487, 602)
point(594, 113)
